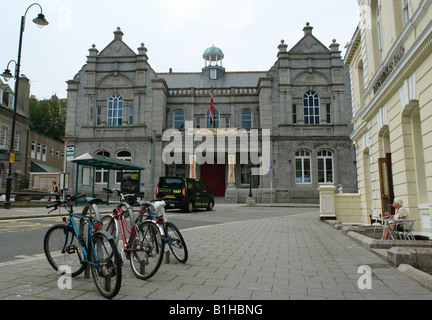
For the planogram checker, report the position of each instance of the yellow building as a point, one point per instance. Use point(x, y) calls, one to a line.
point(390, 64)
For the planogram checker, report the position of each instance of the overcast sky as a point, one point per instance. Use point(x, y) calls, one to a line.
point(175, 32)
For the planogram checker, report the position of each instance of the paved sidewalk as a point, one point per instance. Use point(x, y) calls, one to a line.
point(285, 258)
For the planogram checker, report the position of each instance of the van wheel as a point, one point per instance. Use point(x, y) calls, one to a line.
point(210, 206)
point(189, 207)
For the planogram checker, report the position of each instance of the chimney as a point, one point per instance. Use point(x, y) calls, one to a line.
point(24, 94)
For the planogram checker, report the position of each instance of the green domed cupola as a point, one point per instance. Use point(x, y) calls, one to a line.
point(213, 57)
point(213, 54)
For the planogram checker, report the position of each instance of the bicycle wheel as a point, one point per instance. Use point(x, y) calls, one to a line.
point(111, 226)
point(62, 248)
point(176, 242)
point(107, 274)
point(147, 250)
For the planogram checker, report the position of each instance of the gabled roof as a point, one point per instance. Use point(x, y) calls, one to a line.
point(95, 160)
point(309, 44)
point(117, 48)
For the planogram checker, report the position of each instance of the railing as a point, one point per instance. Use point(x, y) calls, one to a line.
point(216, 92)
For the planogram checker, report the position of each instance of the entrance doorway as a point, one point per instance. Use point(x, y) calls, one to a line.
point(386, 184)
point(215, 177)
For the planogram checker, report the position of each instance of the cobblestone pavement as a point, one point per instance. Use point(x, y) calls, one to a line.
point(294, 257)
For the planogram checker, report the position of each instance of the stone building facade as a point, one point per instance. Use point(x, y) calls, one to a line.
point(22, 129)
point(120, 107)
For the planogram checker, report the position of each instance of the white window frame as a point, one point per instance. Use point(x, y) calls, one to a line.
point(301, 158)
point(213, 74)
point(103, 172)
point(115, 110)
point(311, 112)
point(17, 141)
point(3, 137)
point(44, 152)
point(33, 150)
point(125, 158)
point(38, 151)
point(323, 156)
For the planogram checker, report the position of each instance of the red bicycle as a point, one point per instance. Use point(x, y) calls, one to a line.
point(141, 241)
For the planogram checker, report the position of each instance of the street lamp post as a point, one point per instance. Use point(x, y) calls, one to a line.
point(40, 21)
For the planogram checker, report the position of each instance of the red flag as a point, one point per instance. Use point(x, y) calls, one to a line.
point(211, 105)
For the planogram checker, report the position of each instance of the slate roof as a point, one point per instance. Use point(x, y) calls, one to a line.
point(197, 80)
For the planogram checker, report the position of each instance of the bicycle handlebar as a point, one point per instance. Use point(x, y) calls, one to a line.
point(120, 193)
point(55, 204)
point(68, 200)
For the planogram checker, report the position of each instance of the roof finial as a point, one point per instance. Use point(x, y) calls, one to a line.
point(118, 34)
point(308, 29)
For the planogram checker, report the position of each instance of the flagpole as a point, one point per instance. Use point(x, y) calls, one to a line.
point(211, 106)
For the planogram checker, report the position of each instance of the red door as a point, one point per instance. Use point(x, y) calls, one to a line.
point(214, 176)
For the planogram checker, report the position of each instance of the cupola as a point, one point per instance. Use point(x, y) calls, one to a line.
point(213, 57)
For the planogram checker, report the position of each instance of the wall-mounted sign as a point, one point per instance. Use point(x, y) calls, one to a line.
point(389, 69)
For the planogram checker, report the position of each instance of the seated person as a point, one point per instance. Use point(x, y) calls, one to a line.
point(400, 213)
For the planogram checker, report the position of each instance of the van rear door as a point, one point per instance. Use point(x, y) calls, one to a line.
point(171, 187)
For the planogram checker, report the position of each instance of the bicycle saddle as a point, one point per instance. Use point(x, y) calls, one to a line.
point(92, 200)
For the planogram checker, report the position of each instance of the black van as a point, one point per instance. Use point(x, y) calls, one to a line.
point(184, 193)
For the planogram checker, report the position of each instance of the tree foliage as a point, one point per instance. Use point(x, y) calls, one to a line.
point(48, 117)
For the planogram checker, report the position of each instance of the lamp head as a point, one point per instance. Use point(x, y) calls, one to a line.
point(40, 20)
point(7, 75)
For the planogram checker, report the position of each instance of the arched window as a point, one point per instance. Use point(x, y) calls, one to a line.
point(303, 166)
point(246, 117)
point(311, 106)
point(179, 119)
point(215, 119)
point(102, 174)
point(122, 155)
point(325, 166)
point(115, 110)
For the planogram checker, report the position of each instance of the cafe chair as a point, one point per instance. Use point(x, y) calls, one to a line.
point(407, 233)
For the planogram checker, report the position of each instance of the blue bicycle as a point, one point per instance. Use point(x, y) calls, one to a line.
point(69, 247)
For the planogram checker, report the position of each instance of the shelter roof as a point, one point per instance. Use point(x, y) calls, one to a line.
point(95, 160)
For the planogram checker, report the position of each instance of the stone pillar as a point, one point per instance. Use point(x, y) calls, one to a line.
point(327, 202)
point(231, 193)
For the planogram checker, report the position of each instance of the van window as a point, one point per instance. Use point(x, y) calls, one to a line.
point(171, 182)
point(204, 187)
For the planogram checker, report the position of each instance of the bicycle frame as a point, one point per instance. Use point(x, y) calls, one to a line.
point(84, 246)
point(118, 215)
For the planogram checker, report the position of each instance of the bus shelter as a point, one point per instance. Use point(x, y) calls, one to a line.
point(90, 165)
